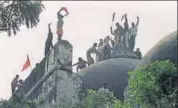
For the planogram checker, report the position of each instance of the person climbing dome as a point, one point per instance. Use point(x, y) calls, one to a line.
point(133, 34)
point(81, 64)
point(100, 48)
point(89, 52)
point(107, 48)
point(138, 53)
point(60, 22)
point(14, 84)
point(49, 43)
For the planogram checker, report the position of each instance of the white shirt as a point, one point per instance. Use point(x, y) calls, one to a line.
point(103, 90)
point(133, 31)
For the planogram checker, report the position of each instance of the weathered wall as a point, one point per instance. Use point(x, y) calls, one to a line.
point(59, 90)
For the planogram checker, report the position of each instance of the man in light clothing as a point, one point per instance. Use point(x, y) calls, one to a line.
point(104, 89)
point(133, 34)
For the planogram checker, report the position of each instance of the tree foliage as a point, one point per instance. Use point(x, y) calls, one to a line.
point(16, 13)
point(18, 101)
point(154, 86)
point(92, 99)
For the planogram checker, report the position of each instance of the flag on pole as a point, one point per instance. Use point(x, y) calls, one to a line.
point(113, 17)
point(27, 64)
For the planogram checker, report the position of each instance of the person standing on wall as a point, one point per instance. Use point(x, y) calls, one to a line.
point(60, 22)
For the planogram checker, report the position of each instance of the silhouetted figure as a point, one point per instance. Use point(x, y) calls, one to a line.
point(89, 52)
point(126, 31)
point(118, 33)
point(133, 34)
point(138, 53)
point(81, 64)
point(14, 83)
point(104, 89)
point(49, 43)
point(107, 48)
point(60, 22)
point(100, 55)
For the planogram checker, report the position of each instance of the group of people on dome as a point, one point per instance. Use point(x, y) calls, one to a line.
point(123, 36)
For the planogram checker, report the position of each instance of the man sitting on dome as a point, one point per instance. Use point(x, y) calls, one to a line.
point(89, 52)
point(81, 64)
point(138, 53)
point(104, 89)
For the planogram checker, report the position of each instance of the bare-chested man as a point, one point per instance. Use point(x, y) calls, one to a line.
point(49, 43)
point(60, 22)
point(14, 83)
point(81, 64)
point(89, 52)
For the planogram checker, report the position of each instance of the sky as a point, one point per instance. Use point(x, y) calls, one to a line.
point(87, 22)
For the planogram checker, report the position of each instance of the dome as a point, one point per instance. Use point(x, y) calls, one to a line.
point(163, 50)
point(112, 71)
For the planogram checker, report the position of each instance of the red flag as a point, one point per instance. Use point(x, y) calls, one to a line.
point(65, 9)
point(27, 64)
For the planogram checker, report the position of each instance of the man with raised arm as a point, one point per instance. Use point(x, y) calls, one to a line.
point(126, 31)
point(60, 22)
point(49, 43)
point(133, 34)
point(118, 33)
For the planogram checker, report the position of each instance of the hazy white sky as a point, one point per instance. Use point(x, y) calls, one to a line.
point(87, 22)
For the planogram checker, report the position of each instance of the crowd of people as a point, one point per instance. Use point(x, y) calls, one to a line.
point(16, 83)
point(124, 36)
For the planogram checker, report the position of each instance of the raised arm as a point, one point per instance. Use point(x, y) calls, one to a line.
point(126, 20)
point(138, 19)
point(111, 31)
point(49, 28)
point(60, 11)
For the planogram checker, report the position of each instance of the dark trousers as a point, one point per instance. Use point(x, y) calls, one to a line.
point(132, 42)
point(13, 89)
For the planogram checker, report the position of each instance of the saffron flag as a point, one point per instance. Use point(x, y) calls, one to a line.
point(27, 64)
point(113, 17)
point(65, 9)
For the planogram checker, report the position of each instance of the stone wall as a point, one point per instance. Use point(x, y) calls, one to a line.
point(61, 89)
point(58, 86)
